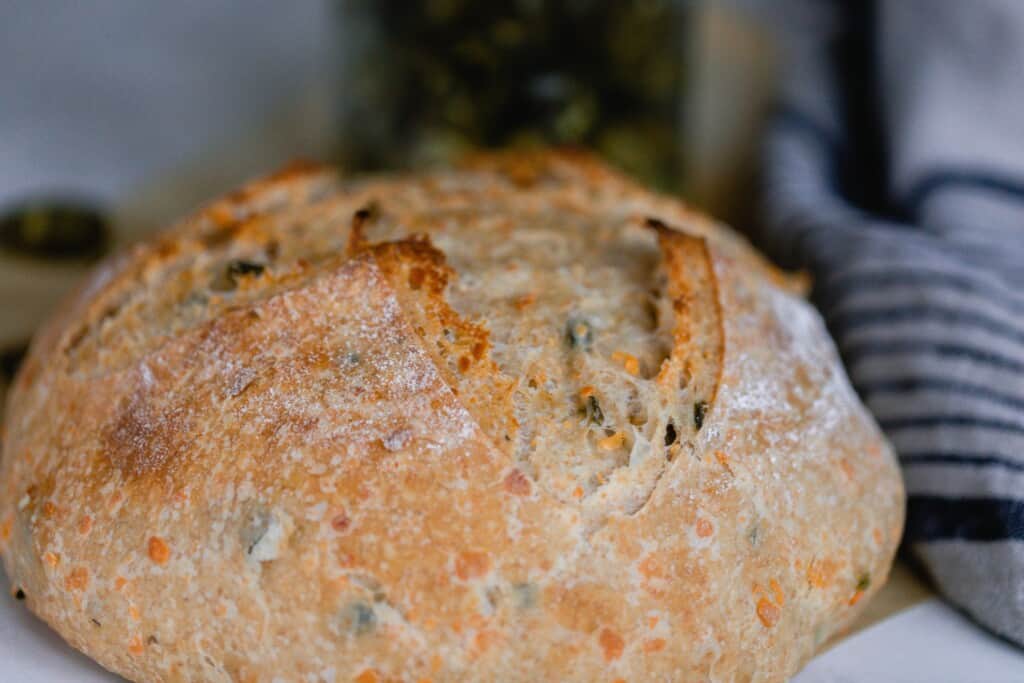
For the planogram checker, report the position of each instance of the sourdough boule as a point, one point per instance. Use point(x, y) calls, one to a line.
point(517, 421)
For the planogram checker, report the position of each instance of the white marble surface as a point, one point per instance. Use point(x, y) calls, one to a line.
point(928, 643)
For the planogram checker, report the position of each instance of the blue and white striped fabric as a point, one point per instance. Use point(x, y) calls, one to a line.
point(894, 172)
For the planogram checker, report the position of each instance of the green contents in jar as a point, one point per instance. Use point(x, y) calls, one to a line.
point(428, 81)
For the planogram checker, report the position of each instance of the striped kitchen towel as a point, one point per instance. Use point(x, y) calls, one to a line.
point(894, 172)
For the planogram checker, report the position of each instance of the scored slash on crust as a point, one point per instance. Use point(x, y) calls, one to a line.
point(419, 276)
point(697, 356)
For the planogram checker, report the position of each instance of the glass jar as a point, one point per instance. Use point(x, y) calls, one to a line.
point(424, 82)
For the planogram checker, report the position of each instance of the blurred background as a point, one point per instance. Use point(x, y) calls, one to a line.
point(119, 117)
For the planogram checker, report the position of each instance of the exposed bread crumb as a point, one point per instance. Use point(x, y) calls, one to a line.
point(613, 442)
point(628, 361)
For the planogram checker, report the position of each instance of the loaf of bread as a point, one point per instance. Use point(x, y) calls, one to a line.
point(517, 421)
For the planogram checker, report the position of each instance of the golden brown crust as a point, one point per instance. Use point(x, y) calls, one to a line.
point(693, 288)
point(310, 468)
